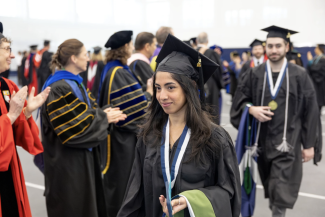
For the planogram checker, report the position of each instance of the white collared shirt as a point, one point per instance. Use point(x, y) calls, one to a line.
point(259, 61)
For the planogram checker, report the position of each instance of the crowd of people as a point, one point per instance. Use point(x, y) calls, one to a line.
point(137, 132)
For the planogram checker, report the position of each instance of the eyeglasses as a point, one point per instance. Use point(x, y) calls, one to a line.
point(7, 49)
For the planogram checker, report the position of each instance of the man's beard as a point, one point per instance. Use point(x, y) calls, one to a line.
point(258, 56)
point(280, 58)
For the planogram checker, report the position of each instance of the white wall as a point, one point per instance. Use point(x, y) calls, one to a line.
point(229, 23)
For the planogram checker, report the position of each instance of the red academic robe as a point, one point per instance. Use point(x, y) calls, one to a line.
point(23, 133)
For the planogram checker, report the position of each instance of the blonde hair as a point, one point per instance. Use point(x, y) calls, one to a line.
point(4, 39)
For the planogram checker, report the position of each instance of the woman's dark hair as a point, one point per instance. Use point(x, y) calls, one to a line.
point(197, 119)
point(65, 51)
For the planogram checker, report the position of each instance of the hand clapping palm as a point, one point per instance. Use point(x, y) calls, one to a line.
point(34, 102)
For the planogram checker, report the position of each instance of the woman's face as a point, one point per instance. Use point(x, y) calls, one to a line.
point(5, 56)
point(169, 93)
point(81, 60)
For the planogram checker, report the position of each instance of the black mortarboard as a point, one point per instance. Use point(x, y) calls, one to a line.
point(97, 49)
point(278, 32)
point(193, 40)
point(179, 58)
point(33, 47)
point(46, 42)
point(187, 42)
point(235, 54)
point(256, 42)
point(1, 31)
point(321, 46)
point(119, 39)
point(294, 55)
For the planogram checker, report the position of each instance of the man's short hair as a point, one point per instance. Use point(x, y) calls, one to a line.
point(202, 38)
point(142, 39)
point(162, 34)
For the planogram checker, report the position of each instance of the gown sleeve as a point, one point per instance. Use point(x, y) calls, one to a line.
point(224, 198)
point(23, 133)
point(133, 203)
point(76, 124)
point(7, 142)
point(310, 113)
point(126, 93)
point(242, 97)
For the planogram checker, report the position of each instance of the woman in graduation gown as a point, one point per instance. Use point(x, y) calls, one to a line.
point(179, 134)
point(120, 88)
point(17, 128)
point(72, 128)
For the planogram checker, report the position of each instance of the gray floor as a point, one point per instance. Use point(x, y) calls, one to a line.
point(313, 182)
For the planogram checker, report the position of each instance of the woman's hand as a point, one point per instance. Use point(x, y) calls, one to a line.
point(16, 103)
point(114, 115)
point(34, 102)
point(177, 204)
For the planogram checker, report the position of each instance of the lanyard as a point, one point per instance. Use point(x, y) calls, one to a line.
point(170, 175)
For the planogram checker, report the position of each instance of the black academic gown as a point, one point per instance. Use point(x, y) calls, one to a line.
point(5, 74)
point(44, 71)
point(123, 136)
point(244, 68)
point(100, 67)
point(73, 182)
point(214, 85)
point(281, 173)
point(142, 72)
point(317, 74)
point(84, 76)
point(22, 70)
point(218, 179)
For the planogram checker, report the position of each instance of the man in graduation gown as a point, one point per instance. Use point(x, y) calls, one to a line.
point(42, 63)
point(161, 36)
point(316, 70)
point(145, 45)
point(30, 69)
point(17, 129)
point(215, 83)
point(258, 56)
point(120, 88)
point(289, 124)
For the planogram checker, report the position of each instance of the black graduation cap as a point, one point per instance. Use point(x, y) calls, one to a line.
point(1, 31)
point(294, 55)
point(33, 47)
point(256, 42)
point(321, 46)
point(278, 32)
point(119, 39)
point(235, 53)
point(97, 49)
point(193, 40)
point(46, 42)
point(187, 42)
point(179, 58)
